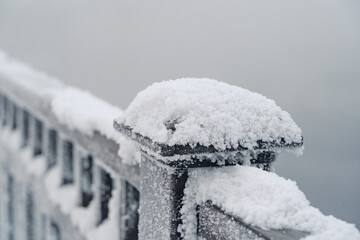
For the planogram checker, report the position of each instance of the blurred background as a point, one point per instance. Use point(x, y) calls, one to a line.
point(303, 54)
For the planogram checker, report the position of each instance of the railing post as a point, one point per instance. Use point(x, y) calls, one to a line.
point(163, 180)
point(184, 124)
point(162, 189)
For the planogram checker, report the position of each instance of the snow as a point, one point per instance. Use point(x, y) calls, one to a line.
point(30, 79)
point(84, 218)
point(183, 111)
point(34, 165)
point(64, 196)
point(109, 228)
point(259, 198)
point(73, 107)
point(84, 112)
point(129, 152)
point(208, 112)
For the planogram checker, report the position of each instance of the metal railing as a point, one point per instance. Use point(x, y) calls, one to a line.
point(91, 165)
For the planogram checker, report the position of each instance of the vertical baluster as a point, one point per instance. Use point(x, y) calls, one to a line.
point(1, 110)
point(97, 193)
point(67, 162)
point(106, 187)
point(10, 207)
point(78, 154)
point(113, 204)
point(2, 193)
point(52, 148)
point(129, 215)
point(38, 137)
point(5, 111)
point(55, 233)
point(14, 116)
point(44, 226)
point(38, 209)
point(4, 202)
point(30, 216)
point(86, 180)
point(9, 113)
point(20, 210)
point(25, 127)
point(31, 140)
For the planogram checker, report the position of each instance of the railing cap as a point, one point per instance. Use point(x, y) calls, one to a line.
point(192, 116)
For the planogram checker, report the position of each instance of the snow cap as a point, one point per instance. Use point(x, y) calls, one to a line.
point(192, 111)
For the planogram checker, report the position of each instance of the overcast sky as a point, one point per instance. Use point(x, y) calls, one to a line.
point(303, 54)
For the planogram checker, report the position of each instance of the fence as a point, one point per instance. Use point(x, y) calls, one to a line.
point(88, 161)
point(86, 172)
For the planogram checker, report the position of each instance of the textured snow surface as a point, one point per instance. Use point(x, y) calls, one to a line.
point(261, 199)
point(76, 108)
point(82, 111)
point(64, 196)
point(129, 151)
point(208, 112)
point(35, 81)
point(109, 228)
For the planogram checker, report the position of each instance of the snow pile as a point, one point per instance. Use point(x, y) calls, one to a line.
point(208, 112)
point(84, 218)
point(109, 228)
point(262, 199)
point(129, 152)
point(34, 81)
point(64, 196)
point(73, 107)
point(80, 110)
point(12, 139)
point(35, 165)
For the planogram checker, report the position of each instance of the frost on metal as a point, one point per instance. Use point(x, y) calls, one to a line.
point(158, 202)
point(209, 113)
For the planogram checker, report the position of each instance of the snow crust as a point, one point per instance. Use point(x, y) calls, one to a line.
point(208, 112)
point(262, 199)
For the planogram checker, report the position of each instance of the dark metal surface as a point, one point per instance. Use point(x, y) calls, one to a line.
point(167, 151)
point(209, 217)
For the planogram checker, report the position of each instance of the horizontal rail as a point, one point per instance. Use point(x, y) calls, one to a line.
point(103, 149)
point(102, 184)
point(210, 216)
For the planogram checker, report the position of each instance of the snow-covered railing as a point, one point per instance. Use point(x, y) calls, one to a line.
point(178, 166)
point(60, 173)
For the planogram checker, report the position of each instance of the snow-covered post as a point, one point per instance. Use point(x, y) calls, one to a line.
point(197, 123)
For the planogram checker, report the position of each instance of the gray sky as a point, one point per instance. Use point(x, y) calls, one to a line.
point(303, 54)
